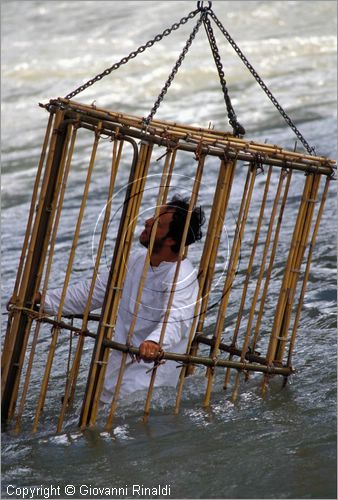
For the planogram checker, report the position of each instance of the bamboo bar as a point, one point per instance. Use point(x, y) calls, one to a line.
point(243, 213)
point(307, 272)
point(261, 271)
point(238, 224)
point(34, 261)
point(212, 240)
point(282, 300)
point(212, 260)
point(271, 261)
point(39, 269)
point(87, 316)
point(183, 358)
point(71, 379)
point(53, 345)
point(295, 243)
point(192, 203)
point(38, 275)
point(217, 149)
point(48, 269)
point(128, 241)
point(113, 296)
point(163, 190)
point(166, 128)
point(18, 299)
point(294, 271)
point(206, 361)
point(109, 310)
point(249, 270)
point(247, 279)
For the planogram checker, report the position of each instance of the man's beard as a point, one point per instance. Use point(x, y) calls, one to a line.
point(158, 244)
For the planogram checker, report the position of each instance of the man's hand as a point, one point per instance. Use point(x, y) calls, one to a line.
point(149, 351)
point(37, 300)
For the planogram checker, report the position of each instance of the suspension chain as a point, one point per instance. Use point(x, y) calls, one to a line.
point(238, 129)
point(178, 63)
point(310, 150)
point(205, 12)
point(133, 54)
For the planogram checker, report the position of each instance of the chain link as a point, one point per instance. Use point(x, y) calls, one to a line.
point(174, 70)
point(238, 130)
point(133, 54)
point(288, 120)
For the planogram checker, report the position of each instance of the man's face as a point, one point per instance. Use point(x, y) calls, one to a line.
point(163, 225)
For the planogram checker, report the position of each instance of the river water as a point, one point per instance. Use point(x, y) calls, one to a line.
point(283, 446)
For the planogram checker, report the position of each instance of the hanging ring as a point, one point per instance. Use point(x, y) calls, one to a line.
point(200, 6)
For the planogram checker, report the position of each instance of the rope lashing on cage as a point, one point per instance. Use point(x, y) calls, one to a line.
point(158, 362)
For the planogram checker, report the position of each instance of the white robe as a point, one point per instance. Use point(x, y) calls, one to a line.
point(149, 318)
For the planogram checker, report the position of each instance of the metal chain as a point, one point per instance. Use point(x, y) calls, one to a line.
point(310, 150)
point(238, 129)
point(133, 54)
point(174, 70)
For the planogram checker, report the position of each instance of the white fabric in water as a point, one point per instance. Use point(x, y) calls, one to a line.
point(149, 321)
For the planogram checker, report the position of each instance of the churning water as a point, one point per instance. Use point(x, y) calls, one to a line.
point(281, 447)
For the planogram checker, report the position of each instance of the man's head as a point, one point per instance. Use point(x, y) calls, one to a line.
point(170, 226)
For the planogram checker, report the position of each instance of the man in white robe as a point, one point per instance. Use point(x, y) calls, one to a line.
point(153, 301)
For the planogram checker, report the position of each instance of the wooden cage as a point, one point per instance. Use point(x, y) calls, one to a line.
point(146, 156)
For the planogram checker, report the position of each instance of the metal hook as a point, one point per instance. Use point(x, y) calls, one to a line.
point(200, 6)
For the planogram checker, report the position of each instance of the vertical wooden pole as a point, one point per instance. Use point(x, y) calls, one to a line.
point(248, 272)
point(163, 190)
point(56, 330)
point(128, 242)
point(113, 293)
point(33, 204)
point(295, 271)
point(290, 267)
point(272, 256)
point(192, 203)
point(47, 273)
point(212, 240)
point(73, 373)
point(246, 200)
point(38, 276)
point(307, 271)
point(34, 261)
point(210, 265)
point(71, 379)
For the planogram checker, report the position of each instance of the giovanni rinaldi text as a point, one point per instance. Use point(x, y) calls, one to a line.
point(70, 490)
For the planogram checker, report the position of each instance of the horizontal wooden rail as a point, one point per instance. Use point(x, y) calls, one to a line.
point(214, 143)
point(181, 358)
point(253, 357)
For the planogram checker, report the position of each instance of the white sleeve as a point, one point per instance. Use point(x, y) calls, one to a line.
point(180, 318)
point(76, 297)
